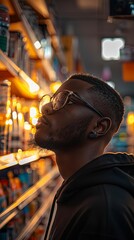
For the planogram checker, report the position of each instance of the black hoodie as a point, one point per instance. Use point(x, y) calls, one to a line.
point(97, 202)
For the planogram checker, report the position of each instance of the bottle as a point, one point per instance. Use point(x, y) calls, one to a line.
point(15, 126)
point(4, 114)
point(20, 119)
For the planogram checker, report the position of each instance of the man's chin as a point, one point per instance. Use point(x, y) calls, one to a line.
point(44, 143)
point(54, 144)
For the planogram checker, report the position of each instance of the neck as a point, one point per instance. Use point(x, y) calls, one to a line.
point(71, 161)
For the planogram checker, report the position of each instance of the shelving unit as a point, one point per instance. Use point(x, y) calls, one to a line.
point(27, 198)
point(42, 9)
point(25, 87)
point(19, 22)
point(33, 223)
point(45, 19)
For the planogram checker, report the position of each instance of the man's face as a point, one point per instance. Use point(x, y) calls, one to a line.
point(66, 127)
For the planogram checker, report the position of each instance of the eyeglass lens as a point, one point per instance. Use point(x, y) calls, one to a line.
point(60, 100)
point(45, 99)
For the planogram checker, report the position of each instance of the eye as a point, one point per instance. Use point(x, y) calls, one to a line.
point(59, 98)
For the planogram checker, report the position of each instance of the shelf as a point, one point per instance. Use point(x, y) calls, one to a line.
point(36, 219)
point(19, 22)
point(41, 7)
point(8, 161)
point(23, 157)
point(18, 26)
point(39, 215)
point(31, 37)
point(45, 19)
point(27, 197)
point(28, 29)
point(30, 88)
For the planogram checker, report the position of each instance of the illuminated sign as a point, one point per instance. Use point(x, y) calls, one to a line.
point(110, 49)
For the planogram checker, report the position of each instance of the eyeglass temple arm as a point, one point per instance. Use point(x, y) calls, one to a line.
point(88, 105)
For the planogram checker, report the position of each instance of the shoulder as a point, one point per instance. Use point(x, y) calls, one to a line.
point(106, 208)
point(105, 199)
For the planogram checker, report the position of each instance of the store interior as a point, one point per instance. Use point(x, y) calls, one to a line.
point(41, 44)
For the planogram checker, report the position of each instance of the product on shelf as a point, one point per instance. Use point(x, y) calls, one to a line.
point(3, 202)
point(4, 114)
point(4, 25)
point(17, 122)
point(17, 51)
point(17, 127)
point(18, 180)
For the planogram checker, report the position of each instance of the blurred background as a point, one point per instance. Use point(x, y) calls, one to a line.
point(42, 43)
point(89, 23)
point(98, 35)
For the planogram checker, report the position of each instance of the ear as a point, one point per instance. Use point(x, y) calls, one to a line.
point(101, 127)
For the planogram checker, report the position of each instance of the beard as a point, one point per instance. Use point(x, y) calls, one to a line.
point(71, 136)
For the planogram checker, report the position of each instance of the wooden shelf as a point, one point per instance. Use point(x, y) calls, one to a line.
point(24, 83)
point(41, 8)
point(38, 216)
point(19, 22)
point(23, 157)
point(28, 31)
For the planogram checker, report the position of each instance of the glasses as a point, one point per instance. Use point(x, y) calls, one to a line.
point(66, 97)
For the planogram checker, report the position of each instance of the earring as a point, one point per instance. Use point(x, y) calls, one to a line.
point(93, 135)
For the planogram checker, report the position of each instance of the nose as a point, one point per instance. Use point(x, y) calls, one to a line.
point(47, 109)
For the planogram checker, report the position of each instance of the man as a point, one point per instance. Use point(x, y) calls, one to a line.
point(96, 199)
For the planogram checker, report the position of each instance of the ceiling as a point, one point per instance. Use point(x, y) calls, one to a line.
point(87, 20)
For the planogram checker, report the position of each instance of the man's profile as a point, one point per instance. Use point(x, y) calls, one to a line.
point(96, 199)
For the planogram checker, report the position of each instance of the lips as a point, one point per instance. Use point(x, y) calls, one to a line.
point(42, 121)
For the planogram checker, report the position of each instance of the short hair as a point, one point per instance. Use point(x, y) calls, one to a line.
point(108, 100)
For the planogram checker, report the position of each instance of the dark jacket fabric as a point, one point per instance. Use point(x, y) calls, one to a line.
point(97, 202)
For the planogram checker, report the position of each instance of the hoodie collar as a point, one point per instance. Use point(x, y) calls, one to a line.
point(110, 168)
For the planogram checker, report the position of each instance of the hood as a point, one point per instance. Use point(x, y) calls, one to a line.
point(110, 168)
